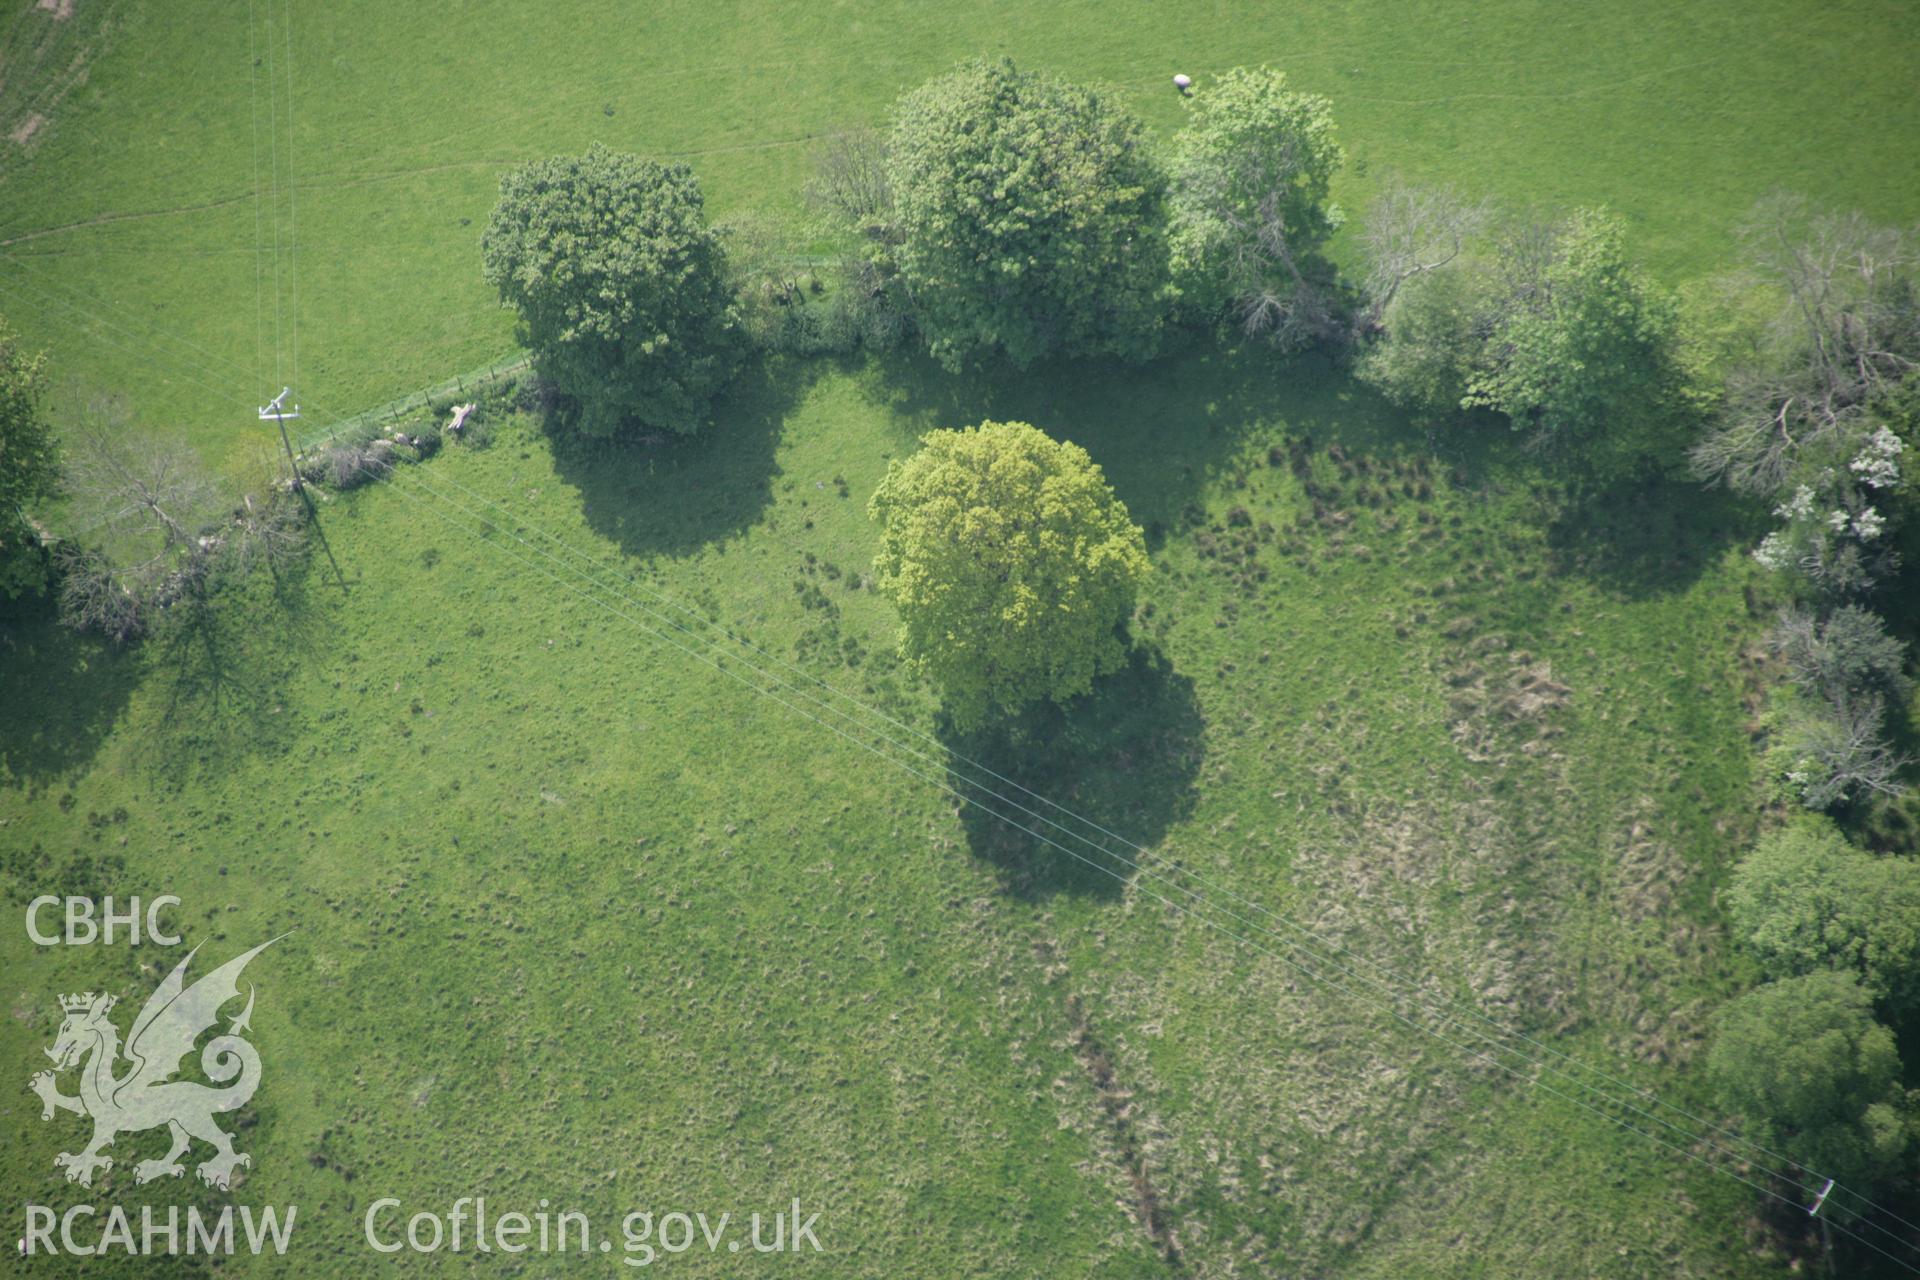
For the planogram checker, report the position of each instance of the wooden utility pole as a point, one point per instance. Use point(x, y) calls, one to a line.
point(278, 411)
point(1826, 1232)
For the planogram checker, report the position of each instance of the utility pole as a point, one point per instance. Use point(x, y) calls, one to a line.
point(1826, 1233)
point(279, 413)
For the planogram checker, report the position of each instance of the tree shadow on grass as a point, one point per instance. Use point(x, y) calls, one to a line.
point(1648, 537)
point(675, 496)
point(1124, 756)
point(1162, 430)
point(222, 667)
point(61, 692)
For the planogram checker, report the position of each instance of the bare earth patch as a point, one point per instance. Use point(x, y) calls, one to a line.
point(60, 9)
point(23, 132)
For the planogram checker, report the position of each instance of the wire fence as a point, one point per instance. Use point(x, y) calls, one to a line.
point(454, 388)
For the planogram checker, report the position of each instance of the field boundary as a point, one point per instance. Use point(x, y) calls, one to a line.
point(461, 384)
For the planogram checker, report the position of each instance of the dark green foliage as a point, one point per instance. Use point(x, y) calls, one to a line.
point(1251, 212)
point(1031, 217)
point(29, 467)
point(1806, 900)
point(620, 286)
point(1813, 1076)
point(1554, 328)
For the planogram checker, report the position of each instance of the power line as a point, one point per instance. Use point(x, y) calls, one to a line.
point(293, 211)
point(273, 169)
point(1198, 900)
point(253, 119)
point(720, 665)
point(1411, 987)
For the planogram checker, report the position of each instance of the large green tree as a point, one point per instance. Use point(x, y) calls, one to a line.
point(1547, 323)
point(1013, 565)
point(620, 285)
point(29, 467)
point(1813, 1076)
point(1251, 213)
point(1031, 218)
point(1583, 352)
point(1805, 899)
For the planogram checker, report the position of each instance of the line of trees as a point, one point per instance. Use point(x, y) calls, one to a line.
point(1006, 215)
point(1805, 1059)
point(1813, 343)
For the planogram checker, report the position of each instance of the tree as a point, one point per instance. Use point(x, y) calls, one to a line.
point(153, 523)
point(850, 184)
point(1813, 1076)
point(1031, 218)
point(1845, 332)
point(1583, 353)
point(1546, 322)
point(1840, 752)
point(1806, 900)
point(1432, 331)
point(1012, 563)
point(29, 467)
point(1251, 175)
point(1411, 232)
point(620, 286)
point(1845, 655)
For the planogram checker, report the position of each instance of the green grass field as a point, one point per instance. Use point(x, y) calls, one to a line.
point(577, 914)
point(129, 227)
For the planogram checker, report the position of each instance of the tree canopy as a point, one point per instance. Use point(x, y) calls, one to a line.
point(1813, 1076)
point(1012, 563)
point(1582, 350)
point(1805, 899)
point(29, 466)
point(1548, 323)
point(620, 286)
point(1251, 175)
point(1031, 218)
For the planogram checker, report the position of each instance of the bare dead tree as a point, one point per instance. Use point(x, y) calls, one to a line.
point(1846, 653)
point(1848, 327)
point(850, 184)
point(1411, 231)
point(269, 532)
point(149, 521)
point(1843, 754)
point(137, 483)
point(94, 599)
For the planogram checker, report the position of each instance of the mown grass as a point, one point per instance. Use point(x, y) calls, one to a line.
point(404, 118)
point(577, 915)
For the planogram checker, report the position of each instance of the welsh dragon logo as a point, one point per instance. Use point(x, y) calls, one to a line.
point(146, 1096)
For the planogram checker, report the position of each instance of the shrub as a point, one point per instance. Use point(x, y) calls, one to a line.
point(348, 466)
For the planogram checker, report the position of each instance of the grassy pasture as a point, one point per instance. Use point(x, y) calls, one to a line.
point(128, 227)
point(578, 915)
